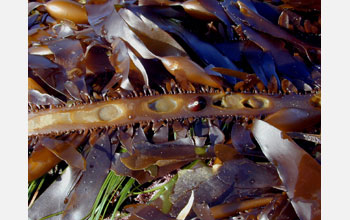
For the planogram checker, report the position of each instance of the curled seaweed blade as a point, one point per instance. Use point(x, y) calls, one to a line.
point(206, 51)
point(39, 98)
point(52, 74)
point(110, 24)
point(96, 58)
point(98, 11)
point(69, 54)
point(138, 66)
point(120, 169)
point(66, 151)
point(147, 154)
point(49, 153)
point(156, 40)
point(293, 119)
point(121, 63)
point(299, 172)
point(185, 69)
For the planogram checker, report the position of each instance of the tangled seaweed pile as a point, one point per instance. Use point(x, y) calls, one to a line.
point(159, 109)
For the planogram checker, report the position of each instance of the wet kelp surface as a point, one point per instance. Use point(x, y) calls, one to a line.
point(159, 109)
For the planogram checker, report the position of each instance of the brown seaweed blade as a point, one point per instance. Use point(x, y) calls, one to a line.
point(84, 194)
point(69, 54)
point(121, 63)
point(157, 40)
point(293, 119)
point(299, 172)
point(150, 42)
point(50, 73)
point(229, 209)
point(57, 194)
point(40, 162)
point(235, 179)
point(37, 98)
point(50, 151)
point(65, 9)
point(143, 176)
point(76, 190)
point(153, 154)
point(185, 69)
point(260, 23)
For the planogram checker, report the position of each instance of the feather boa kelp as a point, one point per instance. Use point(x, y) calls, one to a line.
point(207, 108)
